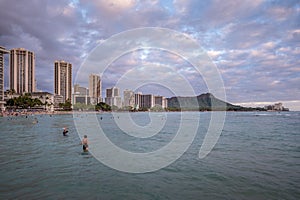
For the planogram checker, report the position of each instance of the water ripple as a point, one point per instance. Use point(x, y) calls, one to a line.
point(256, 157)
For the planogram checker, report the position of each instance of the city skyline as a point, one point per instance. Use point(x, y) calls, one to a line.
point(147, 100)
point(254, 44)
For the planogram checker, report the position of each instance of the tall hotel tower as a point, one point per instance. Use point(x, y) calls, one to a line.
point(128, 98)
point(95, 88)
point(22, 70)
point(113, 97)
point(2, 52)
point(63, 79)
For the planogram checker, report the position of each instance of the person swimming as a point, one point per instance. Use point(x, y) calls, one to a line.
point(84, 142)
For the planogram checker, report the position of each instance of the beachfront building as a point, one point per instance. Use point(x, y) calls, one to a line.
point(147, 101)
point(46, 98)
point(22, 71)
point(137, 100)
point(160, 101)
point(2, 52)
point(95, 88)
point(63, 79)
point(276, 107)
point(113, 97)
point(80, 95)
point(129, 98)
point(57, 100)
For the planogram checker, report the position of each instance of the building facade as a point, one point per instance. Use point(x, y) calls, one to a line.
point(147, 101)
point(276, 107)
point(57, 99)
point(80, 90)
point(2, 52)
point(129, 98)
point(22, 71)
point(80, 95)
point(63, 79)
point(46, 98)
point(113, 97)
point(95, 88)
point(137, 100)
point(161, 101)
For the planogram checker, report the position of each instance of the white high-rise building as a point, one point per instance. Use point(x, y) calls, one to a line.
point(95, 88)
point(63, 79)
point(113, 97)
point(161, 101)
point(22, 70)
point(137, 100)
point(128, 98)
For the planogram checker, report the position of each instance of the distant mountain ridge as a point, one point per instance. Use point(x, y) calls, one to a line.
point(202, 102)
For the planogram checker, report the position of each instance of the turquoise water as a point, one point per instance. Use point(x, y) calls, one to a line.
point(256, 157)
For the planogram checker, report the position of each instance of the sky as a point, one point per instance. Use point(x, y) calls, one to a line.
point(254, 44)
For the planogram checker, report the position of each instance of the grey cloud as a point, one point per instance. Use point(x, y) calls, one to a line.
point(257, 41)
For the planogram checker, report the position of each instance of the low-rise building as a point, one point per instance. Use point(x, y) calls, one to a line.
point(276, 107)
point(46, 98)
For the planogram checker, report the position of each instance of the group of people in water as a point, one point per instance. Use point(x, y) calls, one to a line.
point(84, 141)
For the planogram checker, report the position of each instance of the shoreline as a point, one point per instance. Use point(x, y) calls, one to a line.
point(30, 113)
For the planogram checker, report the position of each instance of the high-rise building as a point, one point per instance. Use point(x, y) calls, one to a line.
point(113, 97)
point(95, 88)
point(147, 101)
point(63, 79)
point(2, 52)
point(22, 70)
point(112, 92)
point(128, 98)
point(161, 101)
point(137, 100)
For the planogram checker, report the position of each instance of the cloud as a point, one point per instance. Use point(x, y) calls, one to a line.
point(112, 7)
point(255, 44)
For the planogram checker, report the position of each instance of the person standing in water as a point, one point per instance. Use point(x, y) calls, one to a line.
point(84, 143)
point(65, 131)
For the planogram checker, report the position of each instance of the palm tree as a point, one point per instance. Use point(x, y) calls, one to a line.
point(11, 92)
point(46, 103)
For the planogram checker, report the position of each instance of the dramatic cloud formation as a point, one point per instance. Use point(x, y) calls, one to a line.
point(254, 43)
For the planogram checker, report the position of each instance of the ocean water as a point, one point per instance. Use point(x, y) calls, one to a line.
point(256, 157)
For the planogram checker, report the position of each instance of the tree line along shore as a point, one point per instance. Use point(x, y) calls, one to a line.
point(25, 105)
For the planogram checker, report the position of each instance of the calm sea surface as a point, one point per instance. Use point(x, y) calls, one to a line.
point(256, 157)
